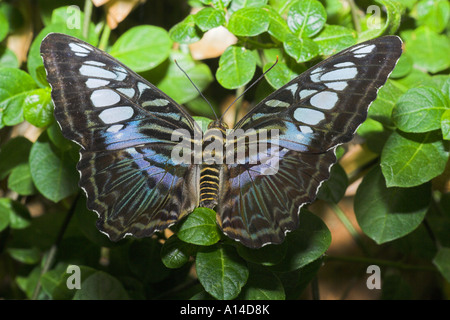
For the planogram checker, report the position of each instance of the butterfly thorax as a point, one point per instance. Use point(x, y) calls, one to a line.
point(213, 160)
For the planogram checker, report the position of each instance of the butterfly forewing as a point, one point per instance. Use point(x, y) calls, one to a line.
point(313, 113)
point(124, 126)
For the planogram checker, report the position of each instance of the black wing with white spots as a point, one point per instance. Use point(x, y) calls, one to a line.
point(313, 114)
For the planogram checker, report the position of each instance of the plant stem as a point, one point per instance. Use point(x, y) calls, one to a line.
point(381, 262)
point(348, 225)
point(54, 248)
point(238, 103)
point(355, 16)
point(315, 289)
point(87, 17)
point(105, 37)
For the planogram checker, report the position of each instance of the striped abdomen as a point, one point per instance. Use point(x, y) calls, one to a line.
point(209, 185)
point(213, 146)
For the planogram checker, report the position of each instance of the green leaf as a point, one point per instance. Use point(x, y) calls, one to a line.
point(61, 291)
point(13, 153)
point(20, 180)
point(430, 50)
point(306, 18)
point(85, 220)
point(278, 27)
point(15, 85)
point(38, 107)
point(200, 228)
point(374, 134)
point(18, 215)
point(25, 255)
point(445, 125)
point(57, 138)
point(209, 18)
point(175, 253)
point(4, 26)
point(53, 171)
point(420, 110)
point(434, 14)
point(295, 282)
point(101, 286)
point(72, 16)
point(249, 22)
point(144, 259)
point(404, 66)
point(394, 10)
point(333, 190)
point(8, 58)
point(4, 214)
point(305, 244)
point(239, 4)
point(12, 13)
point(51, 279)
point(395, 288)
point(385, 214)
point(381, 108)
point(262, 285)
point(221, 271)
point(142, 48)
point(302, 49)
point(177, 85)
point(186, 31)
point(406, 158)
point(442, 262)
point(202, 122)
point(268, 255)
point(333, 39)
point(279, 75)
point(236, 67)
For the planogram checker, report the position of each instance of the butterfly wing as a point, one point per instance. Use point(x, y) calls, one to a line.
point(124, 126)
point(314, 113)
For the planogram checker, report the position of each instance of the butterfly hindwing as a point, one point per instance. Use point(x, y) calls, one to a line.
point(124, 126)
point(313, 114)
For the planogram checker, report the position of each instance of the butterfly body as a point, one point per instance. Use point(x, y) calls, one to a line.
point(256, 175)
point(212, 165)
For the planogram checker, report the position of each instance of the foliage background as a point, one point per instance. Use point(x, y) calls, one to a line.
point(387, 202)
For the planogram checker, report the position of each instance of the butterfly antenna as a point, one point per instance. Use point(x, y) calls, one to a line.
point(249, 87)
point(196, 88)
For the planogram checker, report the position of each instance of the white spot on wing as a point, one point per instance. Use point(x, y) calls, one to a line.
point(306, 93)
point(115, 128)
point(308, 116)
point(324, 100)
point(292, 88)
point(96, 72)
point(142, 87)
point(129, 92)
point(305, 129)
point(344, 64)
point(96, 83)
point(315, 77)
point(340, 74)
point(364, 49)
point(77, 48)
point(116, 114)
point(156, 102)
point(277, 103)
point(339, 85)
point(104, 97)
point(95, 63)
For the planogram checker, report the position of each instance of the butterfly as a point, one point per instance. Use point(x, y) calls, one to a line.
point(125, 125)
